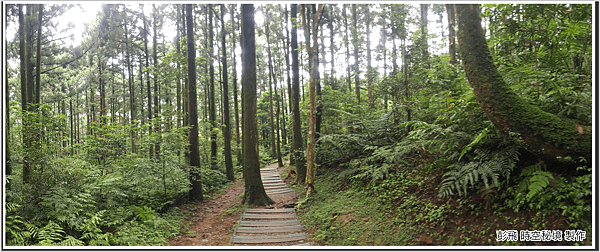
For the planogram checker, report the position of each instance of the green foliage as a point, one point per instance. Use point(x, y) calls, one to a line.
point(152, 231)
point(66, 207)
point(484, 167)
point(539, 190)
point(14, 225)
point(92, 232)
point(212, 180)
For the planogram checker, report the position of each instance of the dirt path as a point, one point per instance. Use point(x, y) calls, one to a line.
point(212, 225)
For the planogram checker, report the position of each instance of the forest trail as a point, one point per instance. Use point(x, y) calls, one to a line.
point(274, 225)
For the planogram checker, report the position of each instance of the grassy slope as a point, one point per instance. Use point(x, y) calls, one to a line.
point(407, 211)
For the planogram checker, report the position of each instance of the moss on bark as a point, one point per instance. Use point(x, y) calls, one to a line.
point(544, 134)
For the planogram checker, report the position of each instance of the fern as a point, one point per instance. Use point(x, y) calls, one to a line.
point(485, 166)
point(534, 179)
point(13, 225)
point(71, 241)
point(50, 234)
point(539, 181)
point(476, 141)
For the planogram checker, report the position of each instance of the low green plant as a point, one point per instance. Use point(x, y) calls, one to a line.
point(540, 190)
point(484, 167)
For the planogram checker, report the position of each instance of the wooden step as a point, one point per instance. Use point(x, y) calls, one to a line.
point(269, 239)
point(279, 192)
point(280, 210)
point(270, 176)
point(269, 223)
point(268, 216)
point(267, 230)
point(275, 186)
point(274, 182)
point(275, 191)
point(271, 180)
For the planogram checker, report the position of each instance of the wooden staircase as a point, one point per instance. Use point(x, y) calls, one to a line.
point(270, 227)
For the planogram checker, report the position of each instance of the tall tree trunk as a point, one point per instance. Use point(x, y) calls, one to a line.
point(196, 190)
point(287, 56)
point(227, 130)
point(23, 60)
point(319, 117)
point(287, 46)
point(178, 112)
point(544, 134)
point(271, 114)
point(255, 193)
point(347, 44)
point(406, 62)
point(384, 38)
point(281, 102)
point(157, 127)
point(356, 43)
point(131, 86)
point(238, 151)
point(28, 54)
point(71, 117)
point(274, 127)
point(24, 91)
point(8, 170)
point(332, 49)
point(369, 68)
point(38, 57)
point(424, 51)
point(211, 95)
point(141, 74)
point(147, 78)
point(296, 123)
point(279, 160)
point(186, 108)
point(312, 52)
point(451, 33)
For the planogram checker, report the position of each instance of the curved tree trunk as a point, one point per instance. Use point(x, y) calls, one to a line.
point(544, 134)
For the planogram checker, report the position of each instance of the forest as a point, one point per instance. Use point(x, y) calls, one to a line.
point(397, 124)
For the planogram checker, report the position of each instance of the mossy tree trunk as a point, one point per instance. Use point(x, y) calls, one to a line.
point(255, 192)
point(544, 134)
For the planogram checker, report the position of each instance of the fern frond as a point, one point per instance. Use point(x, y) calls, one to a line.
point(475, 141)
point(348, 173)
point(71, 241)
point(539, 181)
